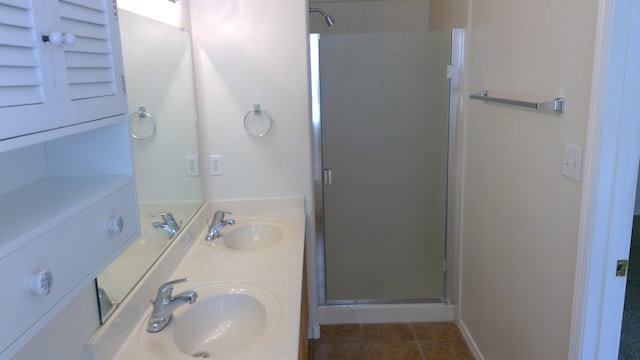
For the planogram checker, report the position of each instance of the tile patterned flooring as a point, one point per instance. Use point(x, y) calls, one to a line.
point(410, 341)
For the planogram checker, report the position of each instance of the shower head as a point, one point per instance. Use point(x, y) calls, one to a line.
point(327, 17)
point(329, 20)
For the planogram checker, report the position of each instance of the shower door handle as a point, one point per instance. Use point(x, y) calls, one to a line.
point(327, 176)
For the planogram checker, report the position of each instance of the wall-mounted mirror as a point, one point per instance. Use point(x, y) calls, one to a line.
point(159, 79)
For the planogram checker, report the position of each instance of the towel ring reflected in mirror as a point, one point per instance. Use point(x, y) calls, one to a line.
point(142, 126)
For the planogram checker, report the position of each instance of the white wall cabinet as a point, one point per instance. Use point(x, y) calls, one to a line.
point(47, 84)
point(68, 204)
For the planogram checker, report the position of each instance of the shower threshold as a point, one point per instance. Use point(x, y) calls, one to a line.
point(350, 302)
point(367, 313)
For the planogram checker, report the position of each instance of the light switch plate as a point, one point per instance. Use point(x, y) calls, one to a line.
point(572, 162)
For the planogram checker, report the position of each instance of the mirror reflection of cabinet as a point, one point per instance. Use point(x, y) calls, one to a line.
point(159, 75)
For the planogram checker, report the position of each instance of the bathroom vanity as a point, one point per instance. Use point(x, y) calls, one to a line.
point(67, 197)
point(249, 285)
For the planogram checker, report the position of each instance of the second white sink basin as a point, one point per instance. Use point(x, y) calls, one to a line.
point(252, 237)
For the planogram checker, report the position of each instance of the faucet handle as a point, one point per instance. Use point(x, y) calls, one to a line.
point(167, 217)
point(219, 217)
point(222, 213)
point(165, 290)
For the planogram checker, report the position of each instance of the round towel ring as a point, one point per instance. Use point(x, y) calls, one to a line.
point(139, 127)
point(257, 122)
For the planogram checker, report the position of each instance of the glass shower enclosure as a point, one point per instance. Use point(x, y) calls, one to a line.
point(383, 114)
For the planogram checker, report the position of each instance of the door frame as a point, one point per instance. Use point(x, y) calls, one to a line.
point(611, 168)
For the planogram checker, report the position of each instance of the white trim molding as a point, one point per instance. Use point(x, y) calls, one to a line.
point(612, 155)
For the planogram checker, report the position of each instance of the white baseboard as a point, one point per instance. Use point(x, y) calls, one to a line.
point(470, 342)
point(389, 313)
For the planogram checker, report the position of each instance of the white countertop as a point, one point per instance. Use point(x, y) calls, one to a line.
point(277, 269)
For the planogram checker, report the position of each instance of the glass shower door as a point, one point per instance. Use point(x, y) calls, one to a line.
point(384, 102)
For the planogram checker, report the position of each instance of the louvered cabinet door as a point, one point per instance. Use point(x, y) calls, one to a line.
point(90, 73)
point(27, 90)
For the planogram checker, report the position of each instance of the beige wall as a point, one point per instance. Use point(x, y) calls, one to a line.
point(520, 216)
point(248, 54)
point(448, 14)
point(390, 15)
point(355, 17)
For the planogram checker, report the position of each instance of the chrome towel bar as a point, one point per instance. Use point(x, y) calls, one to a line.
point(555, 105)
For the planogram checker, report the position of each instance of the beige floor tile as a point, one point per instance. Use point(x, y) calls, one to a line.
point(387, 332)
point(437, 331)
point(402, 350)
point(346, 333)
point(436, 341)
point(460, 350)
point(445, 350)
point(344, 351)
point(435, 350)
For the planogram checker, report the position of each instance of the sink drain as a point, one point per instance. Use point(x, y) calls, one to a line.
point(201, 355)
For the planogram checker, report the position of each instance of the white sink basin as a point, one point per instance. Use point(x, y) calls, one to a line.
point(252, 237)
point(227, 318)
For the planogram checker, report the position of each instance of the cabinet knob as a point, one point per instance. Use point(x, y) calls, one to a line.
point(41, 283)
point(115, 224)
point(58, 38)
point(69, 39)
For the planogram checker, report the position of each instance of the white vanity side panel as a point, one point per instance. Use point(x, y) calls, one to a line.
point(63, 337)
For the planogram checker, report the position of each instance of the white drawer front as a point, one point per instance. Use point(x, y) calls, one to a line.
point(72, 252)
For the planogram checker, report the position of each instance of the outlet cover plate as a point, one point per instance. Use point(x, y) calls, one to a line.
point(192, 166)
point(215, 165)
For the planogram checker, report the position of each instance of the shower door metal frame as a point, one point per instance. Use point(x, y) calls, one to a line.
point(455, 103)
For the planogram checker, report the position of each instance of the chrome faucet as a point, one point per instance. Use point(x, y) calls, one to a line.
point(165, 304)
point(168, 224)
point(218, 223)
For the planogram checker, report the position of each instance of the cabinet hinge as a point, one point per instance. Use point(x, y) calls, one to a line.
point(444, 265)
point(124, 85)
point(115, 9)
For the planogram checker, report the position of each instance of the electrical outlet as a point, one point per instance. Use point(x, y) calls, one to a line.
point(215, 165)
point(192, 167)
point(572, 162)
